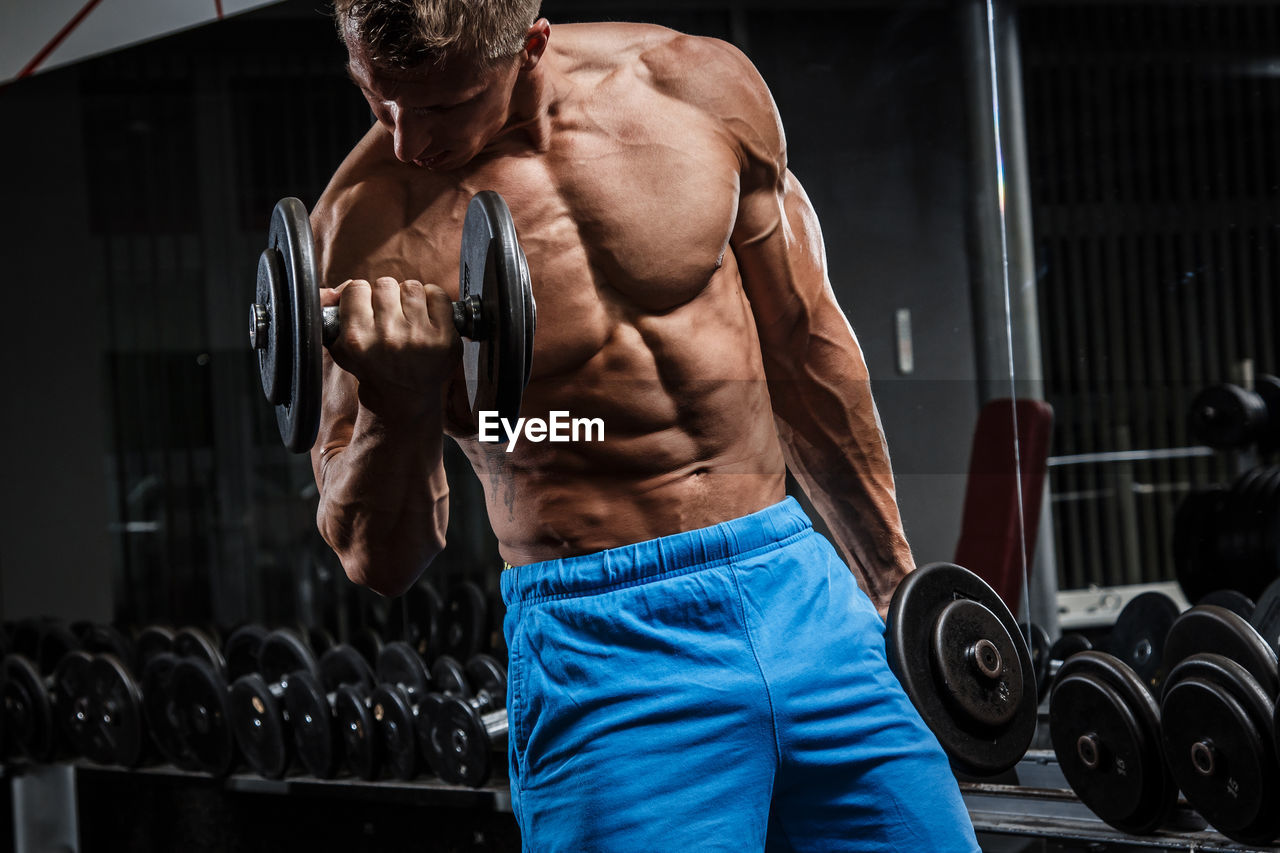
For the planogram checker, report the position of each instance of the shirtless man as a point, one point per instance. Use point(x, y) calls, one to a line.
point(691, 666)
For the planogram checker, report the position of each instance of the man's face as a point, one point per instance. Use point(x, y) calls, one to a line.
point(439, 117)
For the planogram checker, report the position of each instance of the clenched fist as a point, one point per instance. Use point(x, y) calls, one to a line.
point(398, 340)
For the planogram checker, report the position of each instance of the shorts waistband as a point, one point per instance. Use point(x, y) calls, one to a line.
point(644, 561)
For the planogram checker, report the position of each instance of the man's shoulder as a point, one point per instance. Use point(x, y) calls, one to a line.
point(367, 181)
point(697, 69)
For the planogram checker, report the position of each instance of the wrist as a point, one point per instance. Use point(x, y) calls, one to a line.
point(397, 408)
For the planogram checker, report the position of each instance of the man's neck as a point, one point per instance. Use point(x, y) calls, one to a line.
point(535, 101)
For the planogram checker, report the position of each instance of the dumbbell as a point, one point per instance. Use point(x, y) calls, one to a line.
point(403, 684)
point(1231, 599)
point(1138, 636)
point(242, 648)
point(1037, 640)
point(417, 619)
point(1230, 537)
point(1229, 417)
point(151, 641)
point(465, 628)
point(357, 729)
point(34, 703)
point(312, 704)
point(496, 316)
point(39, 687)
point(964, 663)
point(258, 712)
point(1218, 722)
point(202, 643)
point(104, 720)
point(1059, 652)
point(368, 642)
point(102, 639)
point(185, 696)
point(462, 727)
point(1104, 724)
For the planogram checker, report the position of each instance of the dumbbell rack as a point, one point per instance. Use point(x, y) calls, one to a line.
point(45, 806)
point(1043, 806)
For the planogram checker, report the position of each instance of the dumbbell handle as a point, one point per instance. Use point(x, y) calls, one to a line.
point(467, 319)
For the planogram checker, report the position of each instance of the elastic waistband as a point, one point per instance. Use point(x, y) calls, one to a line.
point(644, 561)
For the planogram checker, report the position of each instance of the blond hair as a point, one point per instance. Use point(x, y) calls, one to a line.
point(405, 34)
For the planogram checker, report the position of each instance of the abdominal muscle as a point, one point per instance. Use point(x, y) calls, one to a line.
point(689, 438)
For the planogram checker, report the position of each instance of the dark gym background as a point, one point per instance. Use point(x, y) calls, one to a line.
point(143, 479)
point(151, 483)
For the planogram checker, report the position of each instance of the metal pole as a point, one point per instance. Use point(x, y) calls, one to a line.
point(1001, 250)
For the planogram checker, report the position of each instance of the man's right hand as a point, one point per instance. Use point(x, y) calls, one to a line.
point(398, 340)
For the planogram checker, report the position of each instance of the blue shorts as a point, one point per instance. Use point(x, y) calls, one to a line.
point(721, 689)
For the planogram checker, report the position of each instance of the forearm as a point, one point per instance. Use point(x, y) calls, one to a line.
point(384, 499)
point(835, 447)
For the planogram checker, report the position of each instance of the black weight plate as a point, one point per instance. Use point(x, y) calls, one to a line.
point(1061, 650)
point(970, 651)
point(1216, 729)
point(284, 651)
point(71, 701)
point(269, 324)
point(295, 330)
point(911, 626)
point(466, 620)
point(423, 609)
point(368, 642)
point(1226, 417)
point(449, 677)
point(117, 734)
point(1137, 637)
point(1104, 726)
point(342, 664)
point(1240, 534)
point(1208, 628)
point(1230, 599)
point(1038, 644)
point(1196, 542)
point(315, 733)
point(108, 640)
point(397, 729)
point(530, 314)
point(466, 751)
point(56, 640)
point(200, 708)
point(399, 664)
point(319, 639)
point(492, 268)
point(151, 641)
point(241, 650)
point(429, 745)
point(28, 712)
point(1067, 645)
point(192, 642)
point(361, 746)
point(487, 677)
point(1268, 388)
point(159, 709)
point(256, 719)
point(1266, 615)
